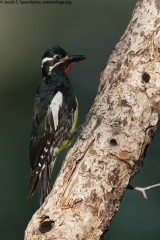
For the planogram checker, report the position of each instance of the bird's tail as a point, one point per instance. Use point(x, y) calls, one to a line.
point(45, 180)
point(33, 184)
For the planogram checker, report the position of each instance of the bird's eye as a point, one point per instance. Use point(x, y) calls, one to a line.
point(57, 57)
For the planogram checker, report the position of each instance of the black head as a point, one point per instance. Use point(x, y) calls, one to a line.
point(57, 59)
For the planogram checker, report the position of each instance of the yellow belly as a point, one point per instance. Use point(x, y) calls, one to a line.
point(68, 141)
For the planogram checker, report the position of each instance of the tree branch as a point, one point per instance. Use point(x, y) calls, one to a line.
point(144, 189)
point(111, 148)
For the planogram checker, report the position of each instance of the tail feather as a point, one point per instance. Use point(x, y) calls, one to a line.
point(45, 180)
point(45, 184)
point(33, 183)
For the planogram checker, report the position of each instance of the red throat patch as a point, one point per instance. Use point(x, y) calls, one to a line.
point(67, 68)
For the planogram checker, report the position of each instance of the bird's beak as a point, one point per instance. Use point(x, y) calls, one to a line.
point(76, 58)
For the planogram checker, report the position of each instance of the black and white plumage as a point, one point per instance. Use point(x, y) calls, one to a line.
point(55, 116)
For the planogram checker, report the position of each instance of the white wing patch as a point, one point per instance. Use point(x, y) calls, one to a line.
point(55, 105)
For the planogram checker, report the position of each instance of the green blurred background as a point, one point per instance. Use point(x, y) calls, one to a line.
point(85, 27)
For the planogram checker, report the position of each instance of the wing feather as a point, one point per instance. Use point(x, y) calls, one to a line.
point(48, 115)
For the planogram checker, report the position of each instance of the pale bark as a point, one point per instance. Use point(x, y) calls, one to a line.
point(112, 145)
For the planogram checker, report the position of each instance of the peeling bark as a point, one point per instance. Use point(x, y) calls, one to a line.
point(111, 148)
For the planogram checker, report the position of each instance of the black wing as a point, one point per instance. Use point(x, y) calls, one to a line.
point(45, 134)
point(41, 137)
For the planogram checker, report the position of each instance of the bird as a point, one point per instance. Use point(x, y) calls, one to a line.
point(55, 117)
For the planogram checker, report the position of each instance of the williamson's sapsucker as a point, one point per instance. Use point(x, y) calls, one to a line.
point(55, 116)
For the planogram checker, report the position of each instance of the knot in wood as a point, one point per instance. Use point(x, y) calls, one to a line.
point(46, 226)
point(124, 154)
point(146, 77)
point(113, 142)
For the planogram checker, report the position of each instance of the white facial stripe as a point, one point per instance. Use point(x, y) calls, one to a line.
point(56, 64)
point(46, 60)
point(52, 67)
point(55, 105)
